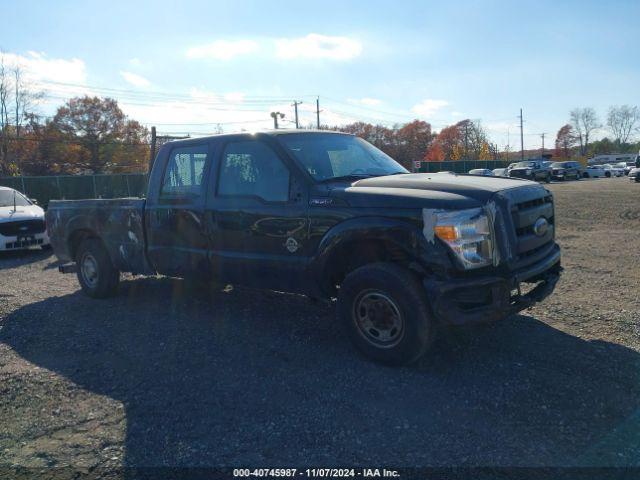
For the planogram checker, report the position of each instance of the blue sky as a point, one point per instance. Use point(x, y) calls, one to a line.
point(188, 65)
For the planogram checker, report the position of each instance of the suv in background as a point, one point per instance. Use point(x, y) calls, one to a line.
point(566, 170)
point(531, 170)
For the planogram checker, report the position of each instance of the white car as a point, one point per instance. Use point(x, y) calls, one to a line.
point(611, 171)
point(500, 172)
point(21, 222)
point(483, 172)
point(594, 171)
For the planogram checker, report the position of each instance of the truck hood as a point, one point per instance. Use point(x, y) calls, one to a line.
point(424, 190)
point(29, 212)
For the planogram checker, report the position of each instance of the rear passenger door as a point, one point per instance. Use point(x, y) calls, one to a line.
point(259, 217)
point(177, 240)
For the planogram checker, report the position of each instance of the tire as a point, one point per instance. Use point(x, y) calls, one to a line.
point(96, 273)
point(607, 174)
point(395, 295)
point(585, 175)
point(548, 179)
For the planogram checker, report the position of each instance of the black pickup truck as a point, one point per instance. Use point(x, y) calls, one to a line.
point(329, 216)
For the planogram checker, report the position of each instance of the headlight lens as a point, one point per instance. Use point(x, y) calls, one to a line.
point(468, 234)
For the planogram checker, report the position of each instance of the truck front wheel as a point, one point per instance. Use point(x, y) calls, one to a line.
point(96, 273)
point(384, 310)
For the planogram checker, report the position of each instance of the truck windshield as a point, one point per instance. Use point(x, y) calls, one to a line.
point(327, 156)
point(6, 199)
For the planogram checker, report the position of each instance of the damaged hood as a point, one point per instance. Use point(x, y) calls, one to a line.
point(424, 190)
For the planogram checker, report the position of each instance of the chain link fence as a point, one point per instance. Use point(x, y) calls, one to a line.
point(77, 187)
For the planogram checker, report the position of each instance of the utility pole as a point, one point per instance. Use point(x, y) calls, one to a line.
point(318, 113)
point(295, 106)
point(152, 150)
point(275, 116)
point(466, 142)
point(542, 136)
point(521, 138)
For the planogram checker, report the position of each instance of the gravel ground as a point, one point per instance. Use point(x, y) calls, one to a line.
point(164, 376)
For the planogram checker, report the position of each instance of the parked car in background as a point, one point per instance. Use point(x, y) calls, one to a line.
point(483, 172)
point(611, 171)
point(566, 170)
point(21, 221)
point(634, 175)
point(628, 167)
point(500, 172)
point(531, 170)
point(594, 171)
point(612, 158)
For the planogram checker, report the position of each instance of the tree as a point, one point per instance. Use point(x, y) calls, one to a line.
point(5, 88)
point(622, 120)
point(485, 152)
point(584, 121)
point(565, 141)
point(435, 153)
point(412, 141)
point(100, 127)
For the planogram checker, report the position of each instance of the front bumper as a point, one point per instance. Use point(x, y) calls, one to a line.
point(488, 299)
point(30, 240)
point(521, 174)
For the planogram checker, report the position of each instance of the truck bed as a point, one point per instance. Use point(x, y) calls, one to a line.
point(118, 222)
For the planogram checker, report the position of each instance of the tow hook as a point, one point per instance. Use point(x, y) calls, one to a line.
point(68, 268)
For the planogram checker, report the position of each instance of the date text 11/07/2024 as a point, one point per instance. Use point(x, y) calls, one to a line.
point(316, 472)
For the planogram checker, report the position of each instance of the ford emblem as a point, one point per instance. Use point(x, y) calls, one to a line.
point(541, 226)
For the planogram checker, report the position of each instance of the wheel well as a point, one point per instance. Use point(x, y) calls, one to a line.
point(76, 238)
point(356, 253)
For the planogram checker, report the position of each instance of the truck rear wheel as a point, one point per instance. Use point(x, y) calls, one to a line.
point(96, 273)
point(384, 310)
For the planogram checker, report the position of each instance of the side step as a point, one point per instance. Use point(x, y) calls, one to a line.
point(68, 268)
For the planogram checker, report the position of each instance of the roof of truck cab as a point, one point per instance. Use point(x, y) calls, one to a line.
point(272, 133)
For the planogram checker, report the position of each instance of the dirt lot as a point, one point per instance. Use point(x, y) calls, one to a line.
point(159, 376)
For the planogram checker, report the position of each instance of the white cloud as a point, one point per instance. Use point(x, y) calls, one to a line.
point(367, 101)
point(223, 49)
point(40, 68)
point(318, 46)
point(135, 79)
point(428, 107)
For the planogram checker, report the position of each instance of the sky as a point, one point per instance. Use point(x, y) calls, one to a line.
point(196, 66)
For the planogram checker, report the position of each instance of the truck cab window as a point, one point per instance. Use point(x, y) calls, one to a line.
point(251, 168)
point(184, 172)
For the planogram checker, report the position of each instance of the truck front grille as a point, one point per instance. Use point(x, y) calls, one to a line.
point(531, 246)
point(22, 227)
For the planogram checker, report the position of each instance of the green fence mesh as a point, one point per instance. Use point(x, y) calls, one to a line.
point(69, 187)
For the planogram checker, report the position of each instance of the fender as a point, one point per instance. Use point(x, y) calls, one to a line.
point(403, 235)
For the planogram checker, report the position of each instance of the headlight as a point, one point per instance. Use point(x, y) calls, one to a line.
point(467, 233)
point(528, 171)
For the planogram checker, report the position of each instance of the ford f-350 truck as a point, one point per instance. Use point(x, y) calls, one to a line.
point(326, 215)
